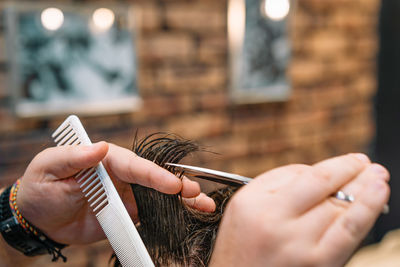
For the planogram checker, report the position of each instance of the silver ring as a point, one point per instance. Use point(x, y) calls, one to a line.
point(343, 196)
point(350, 198)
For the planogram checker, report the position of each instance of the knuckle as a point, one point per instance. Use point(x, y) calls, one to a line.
point(321, 174)
point(297, 170)
point(132, 179)
point(150, 179)
point(314, 173)
point(352, 228)
point(354, 163)
point(359, 157)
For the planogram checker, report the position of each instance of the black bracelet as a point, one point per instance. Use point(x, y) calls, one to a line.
point(17, 237)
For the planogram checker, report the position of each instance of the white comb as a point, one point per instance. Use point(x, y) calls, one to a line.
point(105, 201)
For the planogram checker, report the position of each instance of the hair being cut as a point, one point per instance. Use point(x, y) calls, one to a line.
point(173, 232)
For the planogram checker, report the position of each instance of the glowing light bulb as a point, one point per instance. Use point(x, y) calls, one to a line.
point(103, 18)
point(52, 18)
point(276, 9)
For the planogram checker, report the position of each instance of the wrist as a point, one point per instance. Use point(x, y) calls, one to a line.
point(29, 201)
point(19, 233)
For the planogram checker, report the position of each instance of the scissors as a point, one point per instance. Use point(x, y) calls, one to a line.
point(212, 175)
point(238, 180)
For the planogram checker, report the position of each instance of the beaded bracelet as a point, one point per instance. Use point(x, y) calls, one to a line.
point(17, 214)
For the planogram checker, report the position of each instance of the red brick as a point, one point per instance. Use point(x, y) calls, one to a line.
point(305, 72)
point(228, 147)
point(212, 100)
point(213, 49)
point(165, 106)
point(192, 78)
point(151, 16)
point(197, 16)
point(325, 44)
point(362, 89)
point(301, 128)
point(328, 97)
point(347, 67)
point(163, 45)
point(197, 126)
point(254, 166)
point(146, 81)
point(264, 125)
point(260, 144)
point(299, 23)
point(325, 6)
point(366, 47)
point(368, 6)
point(350, 21)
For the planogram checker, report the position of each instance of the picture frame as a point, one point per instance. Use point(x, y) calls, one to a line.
point(80, 68)
point(259, 53)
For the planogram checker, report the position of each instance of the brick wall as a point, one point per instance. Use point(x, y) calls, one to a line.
point(183, 82)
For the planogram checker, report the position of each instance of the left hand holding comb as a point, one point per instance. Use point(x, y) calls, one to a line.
point(50, 199)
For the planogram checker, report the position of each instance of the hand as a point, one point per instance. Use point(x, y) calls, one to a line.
point(51, 200)
point(287, 217)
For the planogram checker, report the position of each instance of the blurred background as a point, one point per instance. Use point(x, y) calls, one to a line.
point(262, 83)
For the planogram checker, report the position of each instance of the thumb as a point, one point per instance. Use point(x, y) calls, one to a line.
point(65, 161)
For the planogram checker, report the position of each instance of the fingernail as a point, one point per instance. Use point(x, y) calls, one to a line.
point(362, 157)
point(379, 170)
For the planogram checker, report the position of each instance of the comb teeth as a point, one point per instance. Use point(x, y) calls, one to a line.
point(66, 136)
point(90, 184)
point(71, 132)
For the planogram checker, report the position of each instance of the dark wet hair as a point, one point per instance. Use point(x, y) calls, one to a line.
point(173, 232)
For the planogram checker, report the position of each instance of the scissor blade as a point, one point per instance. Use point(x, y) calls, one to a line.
point(212, 175)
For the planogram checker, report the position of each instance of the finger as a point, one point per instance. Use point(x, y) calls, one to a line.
point(323, 179)
point(373, 171)
point(319, 218)
point(202, 203)
point(325, 213)
point(126, 166)
point(190, 188)
point(345, 234)
point(65, 161)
